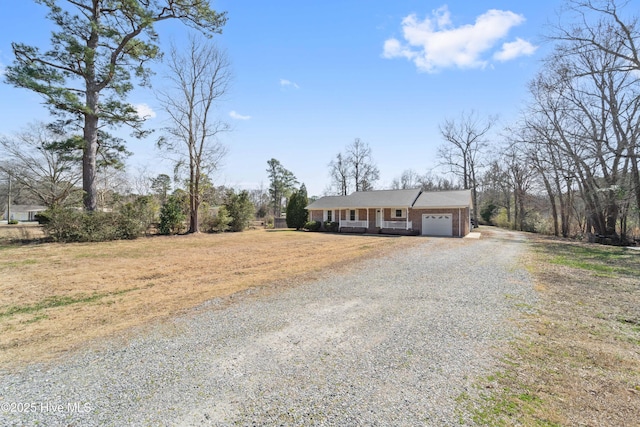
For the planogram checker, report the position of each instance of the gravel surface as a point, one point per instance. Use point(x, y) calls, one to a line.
point(390, 341)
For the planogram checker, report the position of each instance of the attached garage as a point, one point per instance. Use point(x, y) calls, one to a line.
point(442, 213)
point(437, 225)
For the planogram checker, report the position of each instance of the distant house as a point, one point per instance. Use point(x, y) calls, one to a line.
point(23, 212)
point(437, 213)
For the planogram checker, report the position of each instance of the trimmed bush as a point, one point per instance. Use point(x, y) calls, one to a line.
point(216, 223)
point(71, 225)
point(312, 226)
point(172, 216)
point(331, 226)
point(141, 213)
point(43, 217)
point(240, 210)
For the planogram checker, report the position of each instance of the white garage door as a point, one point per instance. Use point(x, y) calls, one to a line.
point(437, 225)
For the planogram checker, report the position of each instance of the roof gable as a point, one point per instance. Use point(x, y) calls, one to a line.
point(444, 199)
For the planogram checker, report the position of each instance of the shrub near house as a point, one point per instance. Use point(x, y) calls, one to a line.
point(296, 212)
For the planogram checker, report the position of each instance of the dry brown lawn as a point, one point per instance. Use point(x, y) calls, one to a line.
point(57, 297)
point(578, 361)
point(24, 231)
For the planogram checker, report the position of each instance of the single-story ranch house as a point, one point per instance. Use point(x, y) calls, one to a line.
point(437, 213)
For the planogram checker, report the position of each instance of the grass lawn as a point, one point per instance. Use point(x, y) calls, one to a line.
point(56, 297)
point(578, 361)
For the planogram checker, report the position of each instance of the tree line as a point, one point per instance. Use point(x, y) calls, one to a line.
point(568, 166)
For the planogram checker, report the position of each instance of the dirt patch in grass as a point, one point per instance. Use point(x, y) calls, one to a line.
point(55, 297)
point(578, 362)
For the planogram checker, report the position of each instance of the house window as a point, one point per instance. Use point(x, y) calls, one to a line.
point(398, 213)
point(352, 215)
point(330, 216)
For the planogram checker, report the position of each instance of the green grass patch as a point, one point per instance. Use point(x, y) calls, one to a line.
point(502, 406)
point(603, 260)
point(18, 263)
point(35, 319)
point(59, 301)
point(584, 265)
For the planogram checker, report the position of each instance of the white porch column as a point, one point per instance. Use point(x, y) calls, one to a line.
point(367, 218)
point(406, 224)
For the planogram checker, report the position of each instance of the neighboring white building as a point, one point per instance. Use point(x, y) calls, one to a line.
point(23, 212)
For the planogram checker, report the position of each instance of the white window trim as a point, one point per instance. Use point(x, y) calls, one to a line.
point(395, 211)
point(355, 218)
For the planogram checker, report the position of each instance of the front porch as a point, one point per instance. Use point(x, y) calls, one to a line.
point(374, 220)
point(392, 225)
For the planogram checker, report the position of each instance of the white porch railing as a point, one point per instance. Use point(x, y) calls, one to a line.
point(358, 224)
point(397, 225)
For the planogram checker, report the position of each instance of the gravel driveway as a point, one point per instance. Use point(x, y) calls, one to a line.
point(391, 341)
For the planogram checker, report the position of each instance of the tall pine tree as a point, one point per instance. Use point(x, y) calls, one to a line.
point(86, 75)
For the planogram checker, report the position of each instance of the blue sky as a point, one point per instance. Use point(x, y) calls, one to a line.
point(311, 76)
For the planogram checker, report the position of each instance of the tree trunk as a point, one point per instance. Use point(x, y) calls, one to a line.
point(92, 96)
point(193, 204)
point(474, 201)
point(552, 201)
point(635, 175)
point(521, 209)
point(89, 155)
point(566, 201)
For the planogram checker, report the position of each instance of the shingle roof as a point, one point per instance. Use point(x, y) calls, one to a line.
point(395, 199)
point(327, 202)
point(444, 199)
point(368, 199)
point(26, 208)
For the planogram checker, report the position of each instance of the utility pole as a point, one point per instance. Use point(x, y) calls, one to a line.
point(9, 201)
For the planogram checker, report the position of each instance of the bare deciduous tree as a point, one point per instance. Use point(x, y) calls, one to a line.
point(354, 169)
point(466, 142)
point(200, 75)
point(409, 179)
point(599, 22)
point(39, 161)
point(363, 171)
point(611, 27)
point(339, 171)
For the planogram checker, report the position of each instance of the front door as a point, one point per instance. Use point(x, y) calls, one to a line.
point(378, 218)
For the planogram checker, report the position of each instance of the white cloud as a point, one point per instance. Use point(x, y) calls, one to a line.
point(515, 49)
point(288, 83)
point(237, 116)
point(434, 43)
point(145, 111)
